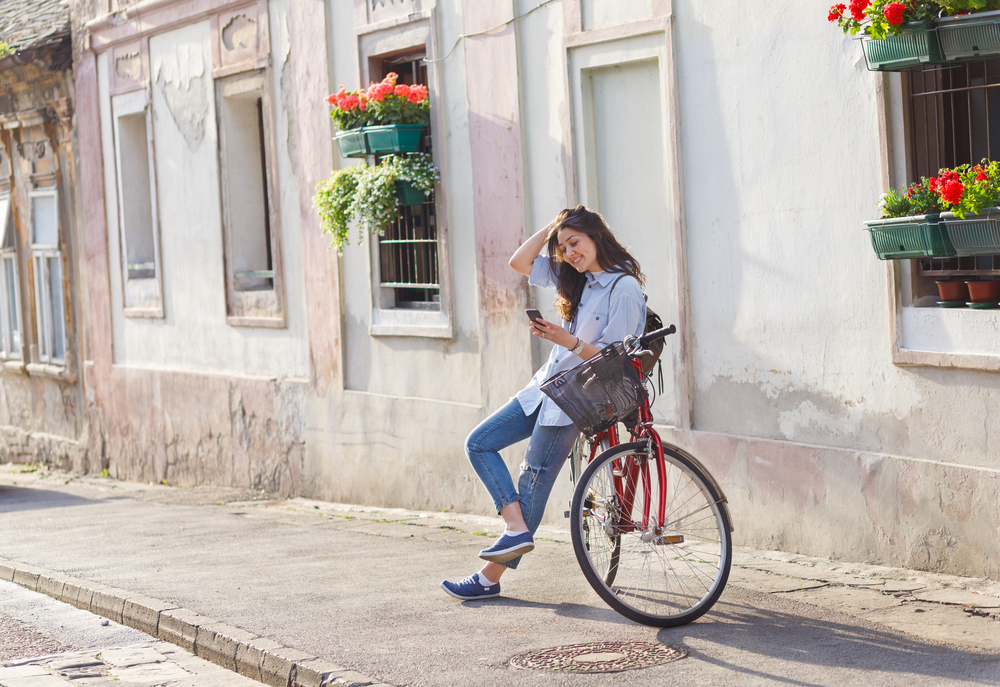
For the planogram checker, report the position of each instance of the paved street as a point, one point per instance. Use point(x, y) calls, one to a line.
point(60, 645)
point(357, 589)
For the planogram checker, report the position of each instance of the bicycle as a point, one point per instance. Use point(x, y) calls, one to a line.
point(651, 528)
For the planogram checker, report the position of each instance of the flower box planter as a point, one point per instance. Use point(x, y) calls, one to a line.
point(970, 36)
point(984, 294)
point(976, 234)
point(909, 237)
point(352, 143)
point(393, 138)
point(916, 45)
point(408, 194)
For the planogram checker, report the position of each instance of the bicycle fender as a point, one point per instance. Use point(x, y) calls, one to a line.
point(711, 478)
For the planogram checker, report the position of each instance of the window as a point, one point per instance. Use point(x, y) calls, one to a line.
point(10, 298)
point(137, 216)
point(954, 117)
point(47, 262)
point(253, 265)
point(408, 251)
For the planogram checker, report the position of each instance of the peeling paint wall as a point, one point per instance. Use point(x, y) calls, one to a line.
point(822, 445)
point(191, 398)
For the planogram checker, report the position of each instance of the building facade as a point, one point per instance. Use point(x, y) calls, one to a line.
point(225, 343)
point(43, 410)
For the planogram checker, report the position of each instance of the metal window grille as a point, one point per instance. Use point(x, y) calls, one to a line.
point(954, 119)
point(408, 250)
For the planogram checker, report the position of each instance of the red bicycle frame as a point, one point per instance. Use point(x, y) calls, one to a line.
point(626, 476)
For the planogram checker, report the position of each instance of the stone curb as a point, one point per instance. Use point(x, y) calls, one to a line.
point(260, 658)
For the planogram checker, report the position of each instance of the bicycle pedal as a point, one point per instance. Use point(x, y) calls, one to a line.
point(565, 513)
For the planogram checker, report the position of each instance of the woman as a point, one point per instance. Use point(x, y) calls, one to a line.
point(599, 297)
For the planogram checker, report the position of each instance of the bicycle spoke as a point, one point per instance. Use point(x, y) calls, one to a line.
point(668, 573)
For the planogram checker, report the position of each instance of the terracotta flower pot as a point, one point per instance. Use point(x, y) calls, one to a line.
point(984, 291)
point(953, 291)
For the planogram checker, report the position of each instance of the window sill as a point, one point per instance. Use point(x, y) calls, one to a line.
point(13, 366)
point(272, 322)
point(153, 313)
point(57, 372)
point(927, 335)
point(403, 322)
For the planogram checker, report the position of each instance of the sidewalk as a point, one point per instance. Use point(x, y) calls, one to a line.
point(303, 592)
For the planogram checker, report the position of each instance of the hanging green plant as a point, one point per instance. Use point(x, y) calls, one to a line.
point(368, 195)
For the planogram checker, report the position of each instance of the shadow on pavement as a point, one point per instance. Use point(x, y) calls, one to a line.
point(564, 610)
point(13, 499)
point(791, 637)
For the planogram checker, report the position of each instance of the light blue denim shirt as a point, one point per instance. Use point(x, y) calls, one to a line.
point(603, 318)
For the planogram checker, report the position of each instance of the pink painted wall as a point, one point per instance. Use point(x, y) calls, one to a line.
point(310, 78)
point(498, 187)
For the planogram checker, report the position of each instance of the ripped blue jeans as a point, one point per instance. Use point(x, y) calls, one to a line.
point(546, 454)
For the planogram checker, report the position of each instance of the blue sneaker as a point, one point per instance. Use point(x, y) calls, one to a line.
point(508, 547)
point(470, 589)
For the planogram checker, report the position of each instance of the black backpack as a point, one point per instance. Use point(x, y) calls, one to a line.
point(653, 322)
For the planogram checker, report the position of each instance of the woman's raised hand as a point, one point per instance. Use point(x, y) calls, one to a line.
point(525, 255)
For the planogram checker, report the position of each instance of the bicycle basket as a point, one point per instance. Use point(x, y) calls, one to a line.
point(598, 392)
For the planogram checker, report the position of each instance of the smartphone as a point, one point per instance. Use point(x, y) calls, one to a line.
point(533, 314)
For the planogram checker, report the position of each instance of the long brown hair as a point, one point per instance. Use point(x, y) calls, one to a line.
point(611, 256)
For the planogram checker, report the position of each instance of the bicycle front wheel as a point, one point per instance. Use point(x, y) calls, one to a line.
point(659, 574)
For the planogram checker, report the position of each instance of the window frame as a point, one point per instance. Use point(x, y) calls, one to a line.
point(41, 254)
point(922, 335)
point(11, 324)
point(243, 307)
point(140, 297)
point(376, 44)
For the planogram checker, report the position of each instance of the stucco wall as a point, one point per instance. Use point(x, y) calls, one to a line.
point(740, 174)
point(194, 333)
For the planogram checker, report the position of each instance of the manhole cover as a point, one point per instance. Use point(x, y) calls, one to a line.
point(598, 657)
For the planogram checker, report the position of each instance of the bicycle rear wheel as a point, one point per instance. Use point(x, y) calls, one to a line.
point(664, 574)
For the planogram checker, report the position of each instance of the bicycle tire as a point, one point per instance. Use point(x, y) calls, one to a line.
point(666, 579)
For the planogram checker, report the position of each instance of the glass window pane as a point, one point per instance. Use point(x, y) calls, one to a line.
point(11, 306)
point(6, 231)
point(42, 310)
point(56, 303)
point(44, 220)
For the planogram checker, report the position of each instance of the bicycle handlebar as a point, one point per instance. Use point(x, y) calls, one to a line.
point(637, 345)
point(647, 339)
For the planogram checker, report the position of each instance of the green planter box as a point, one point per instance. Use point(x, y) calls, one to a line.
point(972, 36)
point(976, 234)
point(916, 45)
point(910, 237)
point(393, 138)
point(408, 194)
point(352, 143)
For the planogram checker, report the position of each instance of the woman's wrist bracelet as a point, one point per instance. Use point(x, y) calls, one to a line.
point(578, 348)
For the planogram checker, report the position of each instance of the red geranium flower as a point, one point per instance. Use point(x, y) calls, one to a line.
point(894, 13)
point(951, 191)
point(837, 12)
point(858, 8)
point(981, 174)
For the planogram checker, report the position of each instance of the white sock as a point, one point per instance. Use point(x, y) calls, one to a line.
point(485, 582)
point(513, 532)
